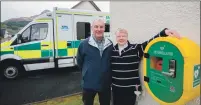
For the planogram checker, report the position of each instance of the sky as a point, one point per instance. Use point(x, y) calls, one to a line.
point(15, 9)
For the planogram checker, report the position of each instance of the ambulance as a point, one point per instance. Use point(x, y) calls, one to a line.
point(51, 40)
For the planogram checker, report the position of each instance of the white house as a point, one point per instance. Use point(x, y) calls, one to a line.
point(143, 19)
point(87, 5)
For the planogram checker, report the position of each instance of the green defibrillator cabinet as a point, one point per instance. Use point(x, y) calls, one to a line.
point(172, 70)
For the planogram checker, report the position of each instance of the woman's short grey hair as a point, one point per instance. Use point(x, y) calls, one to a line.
point(121, 30)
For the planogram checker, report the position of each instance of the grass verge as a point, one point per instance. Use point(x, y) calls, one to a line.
point(68, 100)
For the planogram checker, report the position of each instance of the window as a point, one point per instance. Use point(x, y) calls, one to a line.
point(33, 33)
point(83, 30)
point(107, 27)
point(25, 36)
point(156, 63)
point(39, 31)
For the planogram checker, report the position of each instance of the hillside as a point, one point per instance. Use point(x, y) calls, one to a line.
point(25, 18)
point(13, 25)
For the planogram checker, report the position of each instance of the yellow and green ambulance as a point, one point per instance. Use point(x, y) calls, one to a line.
point(49, 41)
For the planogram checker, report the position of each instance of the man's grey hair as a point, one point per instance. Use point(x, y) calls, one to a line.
point(98, 19)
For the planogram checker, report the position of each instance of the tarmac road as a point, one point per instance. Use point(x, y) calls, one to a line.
point(40, 85)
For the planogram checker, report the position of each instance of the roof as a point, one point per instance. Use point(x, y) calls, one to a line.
point(92, 3)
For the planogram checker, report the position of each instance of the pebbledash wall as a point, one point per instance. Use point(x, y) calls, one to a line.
point(143, 19)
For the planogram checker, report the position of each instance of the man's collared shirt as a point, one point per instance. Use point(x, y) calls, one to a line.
point(100, 44)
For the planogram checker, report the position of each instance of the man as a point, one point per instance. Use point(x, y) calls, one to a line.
point(125, 60)
point(93, 59)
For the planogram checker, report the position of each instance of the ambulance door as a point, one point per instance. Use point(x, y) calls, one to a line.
point(34, 46)
point(64, 38)
point(82, 29)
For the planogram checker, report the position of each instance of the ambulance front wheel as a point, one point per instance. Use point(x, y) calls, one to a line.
point(12, 70)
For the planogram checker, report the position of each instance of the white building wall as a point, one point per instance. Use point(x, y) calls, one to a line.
point(86, 6)
point(144, 19)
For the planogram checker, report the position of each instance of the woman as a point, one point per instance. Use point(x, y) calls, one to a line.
point(125, 60)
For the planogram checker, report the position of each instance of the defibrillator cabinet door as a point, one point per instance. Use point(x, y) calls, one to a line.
point(165, 66)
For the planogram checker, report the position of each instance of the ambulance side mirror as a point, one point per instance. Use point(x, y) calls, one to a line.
point(19, 38)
